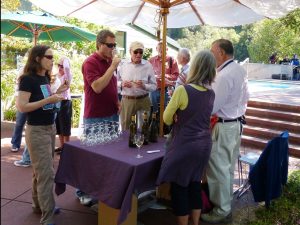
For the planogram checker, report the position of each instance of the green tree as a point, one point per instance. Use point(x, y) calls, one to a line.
point(201, 37)
point(272, 36)
point(292, 20)
point(11, 5)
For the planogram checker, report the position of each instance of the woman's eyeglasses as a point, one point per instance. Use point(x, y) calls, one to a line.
point(48, 56)
point(60, 66)
point(138, 51)
point(110, 45)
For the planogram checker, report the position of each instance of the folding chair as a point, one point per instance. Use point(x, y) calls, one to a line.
point(249, 159)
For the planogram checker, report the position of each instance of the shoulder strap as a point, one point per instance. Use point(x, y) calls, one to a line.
point(170, 62)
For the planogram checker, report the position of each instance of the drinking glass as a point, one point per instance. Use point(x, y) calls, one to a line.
point(139, 141)
point(83, 136)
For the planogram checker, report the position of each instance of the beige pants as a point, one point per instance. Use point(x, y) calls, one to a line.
point(130, 107)
point(220, 171)
point(40, 141)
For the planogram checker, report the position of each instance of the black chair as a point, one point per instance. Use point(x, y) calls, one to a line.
point(270, 171)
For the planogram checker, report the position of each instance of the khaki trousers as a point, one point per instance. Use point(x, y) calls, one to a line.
point(40, 141)
point(220, 171)
point(130, 107)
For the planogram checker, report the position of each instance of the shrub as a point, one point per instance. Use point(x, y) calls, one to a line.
point(284, 210)
point(10, 114)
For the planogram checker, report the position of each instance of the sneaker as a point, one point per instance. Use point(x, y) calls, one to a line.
point(215, 218)
point(21, 163)
point(79, 193)
point(58, 150)
point(14, 149)
point(85, 200)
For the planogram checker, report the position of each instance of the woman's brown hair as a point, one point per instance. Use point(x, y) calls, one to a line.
point(33, 66)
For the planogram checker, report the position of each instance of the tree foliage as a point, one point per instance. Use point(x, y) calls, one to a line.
point(10, 5)
point(200, 37)
point(272, 36)
point(292, 20)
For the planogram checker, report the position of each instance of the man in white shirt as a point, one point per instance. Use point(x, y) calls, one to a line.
point(231, 90)
point(183, 58)
point(136, 79)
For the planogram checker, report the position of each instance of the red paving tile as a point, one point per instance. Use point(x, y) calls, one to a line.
point(16, 192)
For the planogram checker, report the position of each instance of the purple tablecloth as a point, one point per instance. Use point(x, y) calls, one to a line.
point(109, 172)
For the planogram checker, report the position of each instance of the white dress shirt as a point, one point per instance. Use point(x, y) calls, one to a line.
point(182, 75)
point(231, 91)
point(129, 71)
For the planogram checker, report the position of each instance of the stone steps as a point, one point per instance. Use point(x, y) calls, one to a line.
point(269, 134)
point(273, 114)
point(266, 120)
point(274, 106)
point(272, 124)
point(260, 144)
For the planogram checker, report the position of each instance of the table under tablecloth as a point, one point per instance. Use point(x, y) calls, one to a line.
point(111, 173)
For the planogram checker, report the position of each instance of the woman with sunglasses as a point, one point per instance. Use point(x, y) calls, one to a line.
point(36, 99)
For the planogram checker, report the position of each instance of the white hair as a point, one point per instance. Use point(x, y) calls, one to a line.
point(185, 52)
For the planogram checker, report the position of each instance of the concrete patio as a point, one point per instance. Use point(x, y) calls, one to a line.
point(16, 183)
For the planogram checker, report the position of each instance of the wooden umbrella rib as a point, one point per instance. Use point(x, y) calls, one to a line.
point(76, 34)
point(19, 25)
point(178, 2)
point(53, 28)
point(81, 7)
point(238, 2)
point(138, 12)
point(153, 2)
point(49, 35)
point(197, 13)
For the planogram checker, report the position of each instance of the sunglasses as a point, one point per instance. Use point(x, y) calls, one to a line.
point(60, 66)
point(48, 56)
point(110, 45)
point(138, 51)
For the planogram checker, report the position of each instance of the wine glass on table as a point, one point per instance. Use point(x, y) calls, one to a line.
point(139, 141)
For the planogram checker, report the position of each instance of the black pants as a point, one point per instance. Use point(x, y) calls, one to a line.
point(185, 199)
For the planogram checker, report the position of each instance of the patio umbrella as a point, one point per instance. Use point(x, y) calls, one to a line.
point(170, 13)
point(41, 26)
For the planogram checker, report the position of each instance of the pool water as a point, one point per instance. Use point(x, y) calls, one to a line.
point(255, 86)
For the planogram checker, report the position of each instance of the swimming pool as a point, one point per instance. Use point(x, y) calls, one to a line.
point(259, 85)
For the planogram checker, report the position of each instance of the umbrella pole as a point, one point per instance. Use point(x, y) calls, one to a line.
point(164, 12)
point(35, 34)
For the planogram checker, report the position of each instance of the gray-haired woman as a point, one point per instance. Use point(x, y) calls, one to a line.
point(188, 152)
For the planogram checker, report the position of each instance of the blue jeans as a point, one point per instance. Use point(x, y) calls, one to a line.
point(18, 130)
point(26, 156)
point(155, 99)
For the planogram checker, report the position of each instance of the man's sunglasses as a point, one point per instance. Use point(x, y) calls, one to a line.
point(48, 56)
point(110, 45)
point(138, 51)
point(60, 66)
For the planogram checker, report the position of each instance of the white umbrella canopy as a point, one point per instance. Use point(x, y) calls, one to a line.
point(182, 13)
point(171, 14)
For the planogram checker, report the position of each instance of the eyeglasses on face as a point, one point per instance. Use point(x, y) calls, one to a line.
point(48, 56)
point(60, 66)
point(110, 45)
point(138, 51)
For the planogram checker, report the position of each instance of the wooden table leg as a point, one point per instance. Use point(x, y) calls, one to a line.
point(109, 216)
